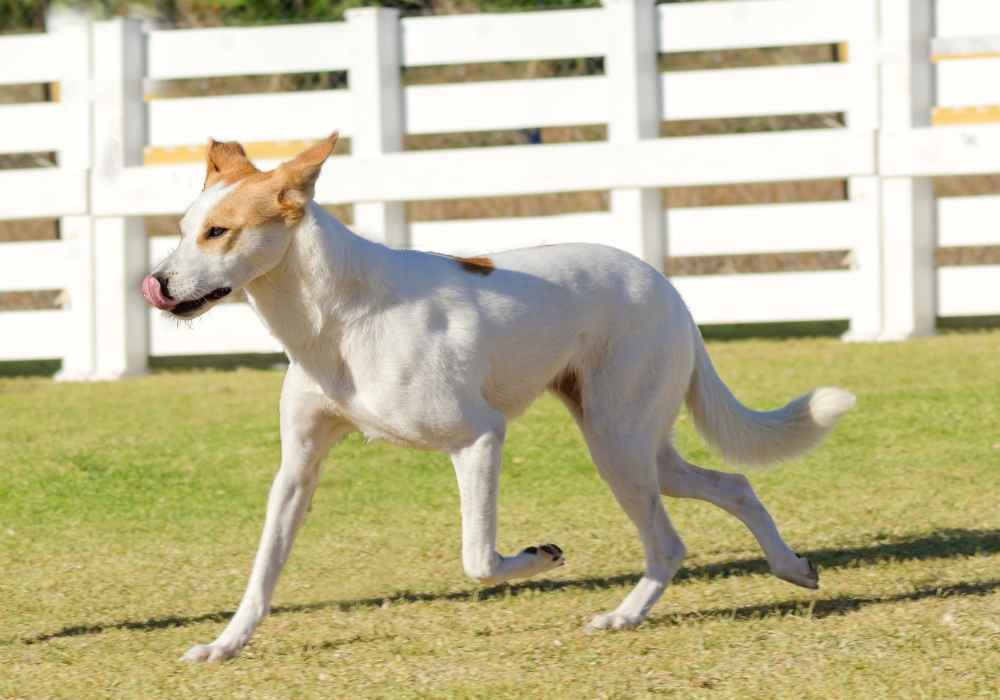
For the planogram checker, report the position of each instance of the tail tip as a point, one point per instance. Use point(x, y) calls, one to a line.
point(827, 404)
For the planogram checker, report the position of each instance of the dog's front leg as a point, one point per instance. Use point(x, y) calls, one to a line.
point(306, 435)
point(477, 467)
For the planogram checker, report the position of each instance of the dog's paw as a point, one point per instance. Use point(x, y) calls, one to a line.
point(549, 553)
point(613, 621)
point(200, 653)
point(798, 570)
point(532, 561)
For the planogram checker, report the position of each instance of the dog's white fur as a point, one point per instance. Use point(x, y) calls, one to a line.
point(415, 349)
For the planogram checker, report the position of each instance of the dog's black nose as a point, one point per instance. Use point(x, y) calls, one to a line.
point(163, 286)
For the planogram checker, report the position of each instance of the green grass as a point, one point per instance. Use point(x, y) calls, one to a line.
point(129, 514)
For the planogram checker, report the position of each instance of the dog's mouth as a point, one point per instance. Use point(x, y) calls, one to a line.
point(186, 308)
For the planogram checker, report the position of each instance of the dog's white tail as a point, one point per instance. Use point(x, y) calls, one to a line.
point(758, 438)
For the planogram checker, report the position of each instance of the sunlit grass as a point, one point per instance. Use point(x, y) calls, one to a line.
point(129, 515)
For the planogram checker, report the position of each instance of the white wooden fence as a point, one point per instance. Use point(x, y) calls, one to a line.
point(887, 152)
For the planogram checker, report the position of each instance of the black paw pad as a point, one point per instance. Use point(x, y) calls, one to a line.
point(552, 550)
point(812, 567)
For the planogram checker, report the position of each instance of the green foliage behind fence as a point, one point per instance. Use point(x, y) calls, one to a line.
point(21, 15)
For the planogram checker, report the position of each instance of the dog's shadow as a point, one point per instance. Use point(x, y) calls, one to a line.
point(942, 544)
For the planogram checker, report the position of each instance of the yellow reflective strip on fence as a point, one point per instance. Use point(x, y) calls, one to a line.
point(938, 57)
point(264, 150)
point(947, 116)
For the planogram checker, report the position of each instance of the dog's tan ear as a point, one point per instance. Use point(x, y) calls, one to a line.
point(299, 177)
point(227, 161)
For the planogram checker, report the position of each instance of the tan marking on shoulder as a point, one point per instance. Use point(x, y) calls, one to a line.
point(478, 265)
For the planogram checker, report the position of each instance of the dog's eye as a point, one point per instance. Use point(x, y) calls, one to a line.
point(215, 232)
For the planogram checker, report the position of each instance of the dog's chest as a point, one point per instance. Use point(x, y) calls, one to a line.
point(403, 430)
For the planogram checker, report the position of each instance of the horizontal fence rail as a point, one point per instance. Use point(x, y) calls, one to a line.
point(199, 53)
point(711, 26)
point(801, 296)
point(38, 193)
point(25, 128)
point(514, 170)
point(432, 41)
point(32, 335)
point(21, 269)
point(31, 59)
point(909, 93)
point(274, 117)
point(931, 151)
point(751, 92)
point(965, 18)
point(694, 231)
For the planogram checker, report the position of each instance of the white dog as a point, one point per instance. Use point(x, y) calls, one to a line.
point(438, 353)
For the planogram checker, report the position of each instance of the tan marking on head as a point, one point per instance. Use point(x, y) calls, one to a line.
point(227, 162)
point(478, 265)
point(221, 244)
point(299, 177)
point(262, 197)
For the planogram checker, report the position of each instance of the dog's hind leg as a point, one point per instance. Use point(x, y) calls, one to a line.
point(627, 466)
point(623, 417)
point(307, 432)
point(734, 494)
point(477, 468)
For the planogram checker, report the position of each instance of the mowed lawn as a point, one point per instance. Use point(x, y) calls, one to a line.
point(130, 511)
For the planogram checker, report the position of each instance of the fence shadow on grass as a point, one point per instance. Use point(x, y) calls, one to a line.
point(941, 544)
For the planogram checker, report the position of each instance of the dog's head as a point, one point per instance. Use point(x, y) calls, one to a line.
point(237, 229)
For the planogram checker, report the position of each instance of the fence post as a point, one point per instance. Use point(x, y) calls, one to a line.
point(374, 80)
point(633, 78)
point(72, 28)
point(909, 209)
point(121, 250)
point(866, 320)
point(864, 191)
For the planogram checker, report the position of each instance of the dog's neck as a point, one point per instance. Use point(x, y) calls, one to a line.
point(328, 278)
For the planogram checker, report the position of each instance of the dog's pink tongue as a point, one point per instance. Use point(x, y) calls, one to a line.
point(154, 295)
